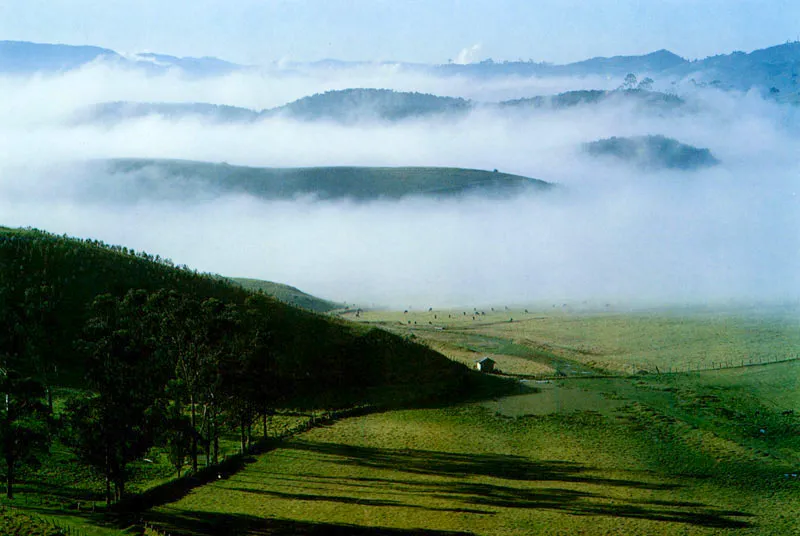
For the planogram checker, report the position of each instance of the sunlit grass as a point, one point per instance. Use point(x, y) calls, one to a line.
point(614, 342)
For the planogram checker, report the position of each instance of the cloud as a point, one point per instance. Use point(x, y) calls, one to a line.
point(469, 54)
point(612, 234)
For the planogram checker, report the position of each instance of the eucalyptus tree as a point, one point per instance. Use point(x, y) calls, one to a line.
point(120, 420)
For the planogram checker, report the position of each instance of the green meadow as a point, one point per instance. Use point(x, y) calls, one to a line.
point(676, 456)
point(708, 452)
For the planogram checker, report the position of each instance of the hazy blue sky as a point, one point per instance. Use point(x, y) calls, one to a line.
point(254, 31)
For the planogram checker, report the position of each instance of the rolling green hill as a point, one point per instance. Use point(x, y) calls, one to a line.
point(155, 177)
point(288, 294)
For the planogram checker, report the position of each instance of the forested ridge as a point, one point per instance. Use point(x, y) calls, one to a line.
point(158, 356)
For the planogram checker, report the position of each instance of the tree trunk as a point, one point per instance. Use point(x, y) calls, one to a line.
point(194, 434)
point(264, 420)
point(243, 436)
point(108, 476)
point(216, 441)
point(108, 489)
point(9, 477)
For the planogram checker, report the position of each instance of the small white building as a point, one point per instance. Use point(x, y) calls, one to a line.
point(485, 365)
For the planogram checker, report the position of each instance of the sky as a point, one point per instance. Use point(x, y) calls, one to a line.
point(430, 31)
point(615, 234)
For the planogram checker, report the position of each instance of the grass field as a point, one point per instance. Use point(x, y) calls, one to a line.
point(674, 455)
point(537, 343)
point(709, 452)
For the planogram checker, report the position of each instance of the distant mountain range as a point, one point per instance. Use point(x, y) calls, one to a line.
point(774, 67)
point(22, 57)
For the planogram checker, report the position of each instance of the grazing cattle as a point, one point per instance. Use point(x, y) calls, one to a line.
point(405, 312)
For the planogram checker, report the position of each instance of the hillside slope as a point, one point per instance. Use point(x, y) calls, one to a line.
point(288, 294)
point(47, 283)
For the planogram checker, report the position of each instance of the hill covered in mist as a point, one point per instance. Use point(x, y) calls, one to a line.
point(646, 99)
point(365, 105)
point(354, 104)
point(653, 152)
point(185, 179)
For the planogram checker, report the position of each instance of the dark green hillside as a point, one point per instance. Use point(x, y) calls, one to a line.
point(118, 358)
point(66, 274)
point(155, 177)
point(647, 99)
point(657, 152)
point(288, 294)
point(350, 105)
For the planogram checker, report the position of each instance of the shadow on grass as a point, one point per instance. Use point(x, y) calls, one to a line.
point(426, 462)
point(189, 523)
point(454, 485)
point(356, 500)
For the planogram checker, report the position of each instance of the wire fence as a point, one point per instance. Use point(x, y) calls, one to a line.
point(670, 369)
point(727, 364)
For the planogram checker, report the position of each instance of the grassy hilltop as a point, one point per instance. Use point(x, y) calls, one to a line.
point(356, 183)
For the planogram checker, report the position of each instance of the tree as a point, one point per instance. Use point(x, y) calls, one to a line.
point(177, 429)
point(646, 84)
point(630, 82)
point(120, 421)
point(24, 429)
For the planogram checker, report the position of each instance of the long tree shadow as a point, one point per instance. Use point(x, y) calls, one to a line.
point(356, 500)
point(456, 470)
point(439, 463)
point(190, 523)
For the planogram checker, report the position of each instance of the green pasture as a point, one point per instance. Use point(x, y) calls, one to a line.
point(672, 455)
point(537, 342)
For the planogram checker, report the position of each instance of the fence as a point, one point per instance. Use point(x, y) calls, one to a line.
point(727, 364)
point(714, 365)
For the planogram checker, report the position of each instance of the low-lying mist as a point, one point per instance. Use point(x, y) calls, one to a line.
point(612, 233)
